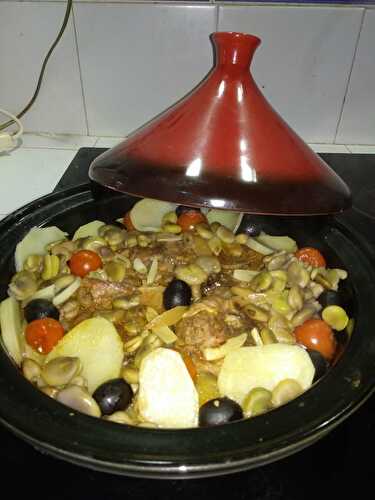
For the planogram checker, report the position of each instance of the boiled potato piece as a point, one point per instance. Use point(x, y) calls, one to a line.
point(167, 395)
point(277, 242)
point(90, 229)
point(35, 242)
point(231, 220)
point(97, 344)
point(147, 214)
point(263, 366)
point(11, 328)
point(259, 247)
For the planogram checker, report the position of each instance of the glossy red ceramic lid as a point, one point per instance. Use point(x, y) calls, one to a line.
point(224, 146)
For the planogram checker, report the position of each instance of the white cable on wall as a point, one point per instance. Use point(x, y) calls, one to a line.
point(9, 141)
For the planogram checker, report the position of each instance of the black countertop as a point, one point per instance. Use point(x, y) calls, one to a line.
point(334, 465)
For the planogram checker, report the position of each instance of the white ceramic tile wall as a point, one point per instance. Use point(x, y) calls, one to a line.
point(57, 141)
point(304, 61)
point(357, 125)
point(138, 59)
point(27, 31)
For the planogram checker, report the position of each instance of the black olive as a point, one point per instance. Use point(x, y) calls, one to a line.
point(40, 308)
point(177, 293)
point(342, 339)
point(321, 365)
point(253, 228)
point(181, 209)
point(330, 298)
point(219, 411)
point(113, 395)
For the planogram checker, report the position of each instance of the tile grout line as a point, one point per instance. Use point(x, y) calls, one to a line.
point(80, 73)
point(48, 148)
point(349, 76)
point(217, 11)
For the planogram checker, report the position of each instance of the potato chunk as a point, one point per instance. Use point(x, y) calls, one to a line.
point(263, 366)
point(97, 344)
point(35, 243)
point(167, 395)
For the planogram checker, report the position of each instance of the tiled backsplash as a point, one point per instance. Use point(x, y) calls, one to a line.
point(120, 63)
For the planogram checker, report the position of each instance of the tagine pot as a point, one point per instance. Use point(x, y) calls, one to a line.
point(224, 146)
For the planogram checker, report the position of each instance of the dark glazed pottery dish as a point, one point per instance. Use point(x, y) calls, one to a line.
point(62, 432)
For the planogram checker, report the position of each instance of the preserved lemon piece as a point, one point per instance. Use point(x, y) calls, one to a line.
point(207, 388)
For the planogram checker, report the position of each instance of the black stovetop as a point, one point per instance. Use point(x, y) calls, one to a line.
point(338, 462)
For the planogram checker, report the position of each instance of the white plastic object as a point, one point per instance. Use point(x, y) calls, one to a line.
point(9, 141)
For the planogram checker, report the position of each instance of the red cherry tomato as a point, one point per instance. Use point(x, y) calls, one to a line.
point(311, 256)
point(128, 222)
point(188, 220)
point(43, 334)
point(83, 262)
point(317, 335)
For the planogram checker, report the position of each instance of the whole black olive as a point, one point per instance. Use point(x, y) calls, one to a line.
point(181, 209)
point(253, 228)
point(40, 308)
point(177, 293)
point(219, 411)
point(114, 395)
point(321, 365)
point(330, 298)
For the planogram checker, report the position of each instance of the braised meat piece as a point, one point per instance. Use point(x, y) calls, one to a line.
point(217, 282)
point(209, 323)
point(99, 294)
point(245, 259)
point(202, 330)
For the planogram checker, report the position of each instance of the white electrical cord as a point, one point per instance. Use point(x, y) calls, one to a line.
point(9, 141)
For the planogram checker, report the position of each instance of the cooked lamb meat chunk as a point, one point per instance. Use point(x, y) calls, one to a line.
point(102, 293)
point(247, 260)
point(202, 330)
point(216, 282)
point(209, 323)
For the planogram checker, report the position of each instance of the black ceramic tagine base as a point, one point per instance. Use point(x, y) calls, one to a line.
point(338, 461)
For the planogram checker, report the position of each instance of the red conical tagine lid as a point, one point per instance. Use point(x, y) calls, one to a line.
point(224, 146)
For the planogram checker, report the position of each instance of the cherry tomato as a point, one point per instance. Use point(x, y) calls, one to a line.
point(128, 222)
point(43, 334)
point(191, 368)
point(188, 220)
point(311, 256)
point(83, 262)
point(315, 334)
